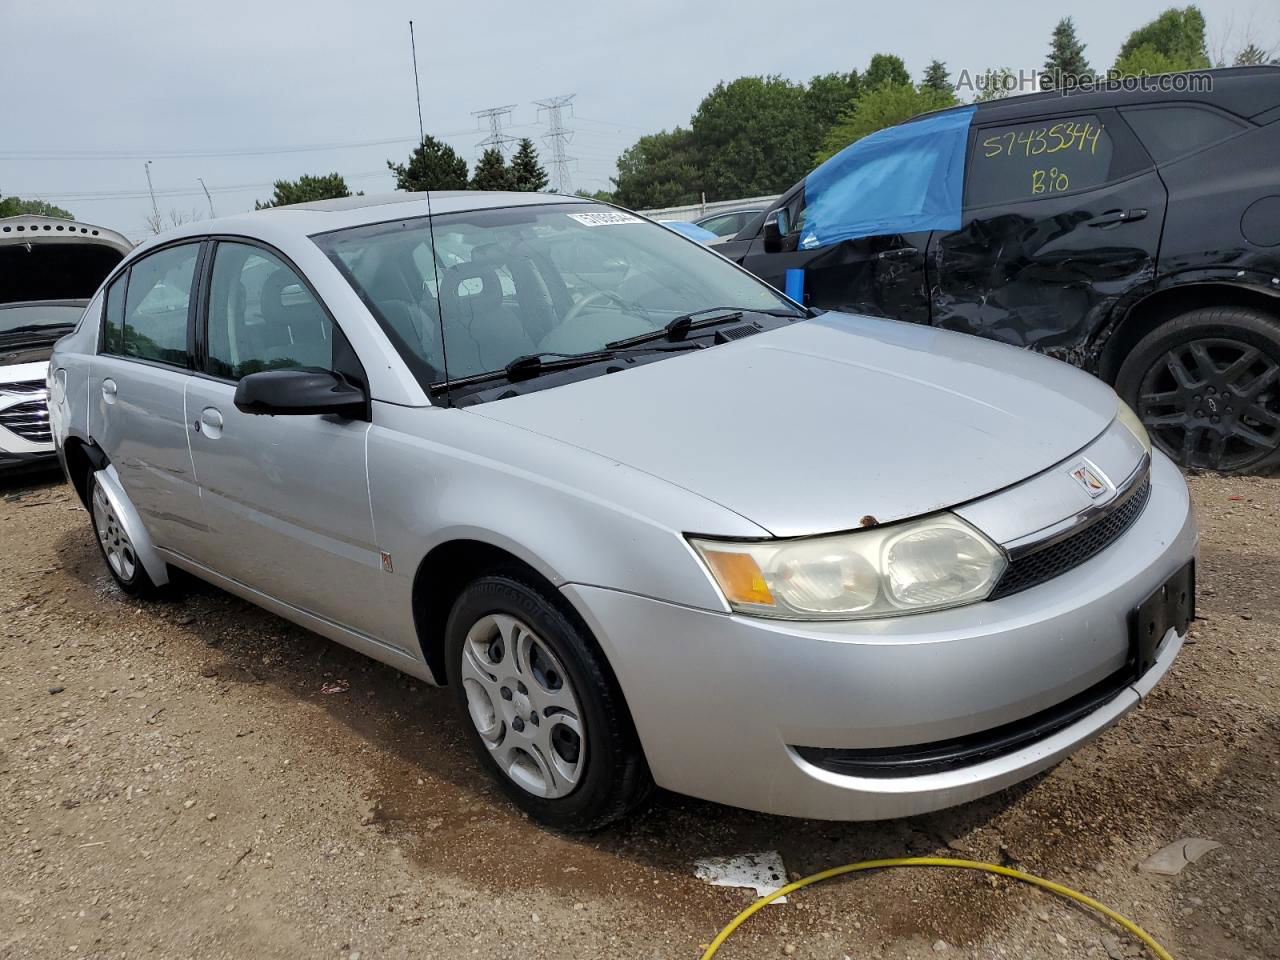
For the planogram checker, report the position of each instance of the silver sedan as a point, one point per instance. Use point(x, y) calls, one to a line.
point(649, 520)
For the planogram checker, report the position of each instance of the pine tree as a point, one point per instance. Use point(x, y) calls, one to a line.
point(433, 165)
point(1066, 58)
point(936, 77)
point(491, 172)
point(527, 173)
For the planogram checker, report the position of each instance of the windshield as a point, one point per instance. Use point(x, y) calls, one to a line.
point(510, 282)
point(30, 317)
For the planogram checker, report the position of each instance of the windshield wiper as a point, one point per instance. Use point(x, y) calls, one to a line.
point(679, 328)
point(532, 365)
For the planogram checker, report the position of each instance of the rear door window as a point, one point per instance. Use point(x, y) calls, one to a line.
point(1038, 159)
point(1173, 131)
point(156, 306)
point(113, 315)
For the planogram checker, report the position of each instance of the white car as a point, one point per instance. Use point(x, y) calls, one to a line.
point(49, 268)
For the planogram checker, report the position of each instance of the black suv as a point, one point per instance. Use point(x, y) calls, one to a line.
point(1148, 253)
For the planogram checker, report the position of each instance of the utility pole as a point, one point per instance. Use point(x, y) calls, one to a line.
point(417, 87)
point(496, 140)
point(151, 190)
point(557, 138)
point(207, 197)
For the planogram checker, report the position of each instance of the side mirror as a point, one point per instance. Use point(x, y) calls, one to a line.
point(772, 235)
point(301, 393)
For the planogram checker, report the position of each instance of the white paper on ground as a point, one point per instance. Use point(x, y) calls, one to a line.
point(762, 872)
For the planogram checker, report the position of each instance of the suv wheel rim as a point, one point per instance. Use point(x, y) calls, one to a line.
point(523, 705)
point(1213, 403)
point(116, 545)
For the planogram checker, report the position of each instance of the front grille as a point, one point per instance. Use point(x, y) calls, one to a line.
point(943, 755)
point(1048, 562)
point(24, 388)
point(29, 420)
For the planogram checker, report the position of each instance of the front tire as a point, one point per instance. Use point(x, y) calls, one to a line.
point(114, 544)
point(540, 708)
point(1207, 386)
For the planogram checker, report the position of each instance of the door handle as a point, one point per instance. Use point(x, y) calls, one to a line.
point(210, 423)
point(109, 390)
point(1113, 217)
point(897, 253)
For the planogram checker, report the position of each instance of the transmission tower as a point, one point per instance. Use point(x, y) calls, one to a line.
point(496, 139)
point(557, 138)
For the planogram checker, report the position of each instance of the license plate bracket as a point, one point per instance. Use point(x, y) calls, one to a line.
point(1172, 604)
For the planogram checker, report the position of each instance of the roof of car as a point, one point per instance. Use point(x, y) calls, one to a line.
point(1245, 91)
point(323, 216)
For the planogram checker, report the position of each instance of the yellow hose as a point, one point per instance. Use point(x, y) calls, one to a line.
point(1155, 948)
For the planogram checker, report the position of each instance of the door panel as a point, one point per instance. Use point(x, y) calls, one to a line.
point(1044, 268)
point(287, 503)
point(882, 276)
point(136, 393)
point(286, 498)
point(138, 418)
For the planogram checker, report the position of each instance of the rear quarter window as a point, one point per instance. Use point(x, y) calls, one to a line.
point(1173, 131)
point(1038, 159)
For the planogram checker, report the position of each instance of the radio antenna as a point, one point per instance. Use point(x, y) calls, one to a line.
point(431, 228)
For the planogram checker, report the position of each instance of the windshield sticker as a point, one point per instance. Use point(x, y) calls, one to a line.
point(604, 219)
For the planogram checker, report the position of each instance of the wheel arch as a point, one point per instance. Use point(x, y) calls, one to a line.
point(81, 456)
point(1169, 302)
point(444, 572)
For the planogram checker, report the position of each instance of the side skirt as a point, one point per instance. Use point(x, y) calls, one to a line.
point(388, 653)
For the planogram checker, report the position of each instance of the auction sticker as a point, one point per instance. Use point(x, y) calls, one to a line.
point(604, 219)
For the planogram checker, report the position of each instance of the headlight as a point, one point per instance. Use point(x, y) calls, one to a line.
point(927, 564)
point(1130, 419)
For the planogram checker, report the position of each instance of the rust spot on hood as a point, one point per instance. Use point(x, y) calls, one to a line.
point(869, 521)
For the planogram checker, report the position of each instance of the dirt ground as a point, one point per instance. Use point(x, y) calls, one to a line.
point(174, 783)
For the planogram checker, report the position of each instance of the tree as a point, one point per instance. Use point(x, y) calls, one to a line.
point(433, 165)
point(305, 189)
point(1251, 56)
point(880, 108)
point(752, 136)
point(1173, 41)
point(491, 172)
point(829, 95)
point(602, 195)
point(885, 70)
point(936, 77)
point(993, 84)
point(1066, 58)
point(14, 206)
point(658, 170)
point(158, 223)
point(527, 174)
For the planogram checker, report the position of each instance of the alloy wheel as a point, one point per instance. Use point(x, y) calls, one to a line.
point(1213, 403)
point(116, 545)
point(523, 705)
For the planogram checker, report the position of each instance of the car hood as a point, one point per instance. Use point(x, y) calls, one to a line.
point(823, 424)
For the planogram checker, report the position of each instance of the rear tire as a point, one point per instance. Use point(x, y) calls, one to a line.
point(1207, 386)
point(540, 707)
point(114, 544)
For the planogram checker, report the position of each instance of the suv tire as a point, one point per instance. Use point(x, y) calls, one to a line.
point(1207, 386)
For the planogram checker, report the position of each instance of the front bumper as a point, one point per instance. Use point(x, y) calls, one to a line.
point(720, 700)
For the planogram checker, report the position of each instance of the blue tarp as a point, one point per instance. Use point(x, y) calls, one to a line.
point(896, 180)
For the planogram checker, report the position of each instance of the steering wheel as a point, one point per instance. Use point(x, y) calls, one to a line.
point(576, 310)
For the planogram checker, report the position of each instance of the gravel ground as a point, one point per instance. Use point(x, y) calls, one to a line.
point(174, 783)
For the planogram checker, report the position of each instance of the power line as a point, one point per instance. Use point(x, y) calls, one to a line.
point(496, 140)
point(173, 191)
point(557, 138)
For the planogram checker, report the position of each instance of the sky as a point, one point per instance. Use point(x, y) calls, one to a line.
point(243, 93)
